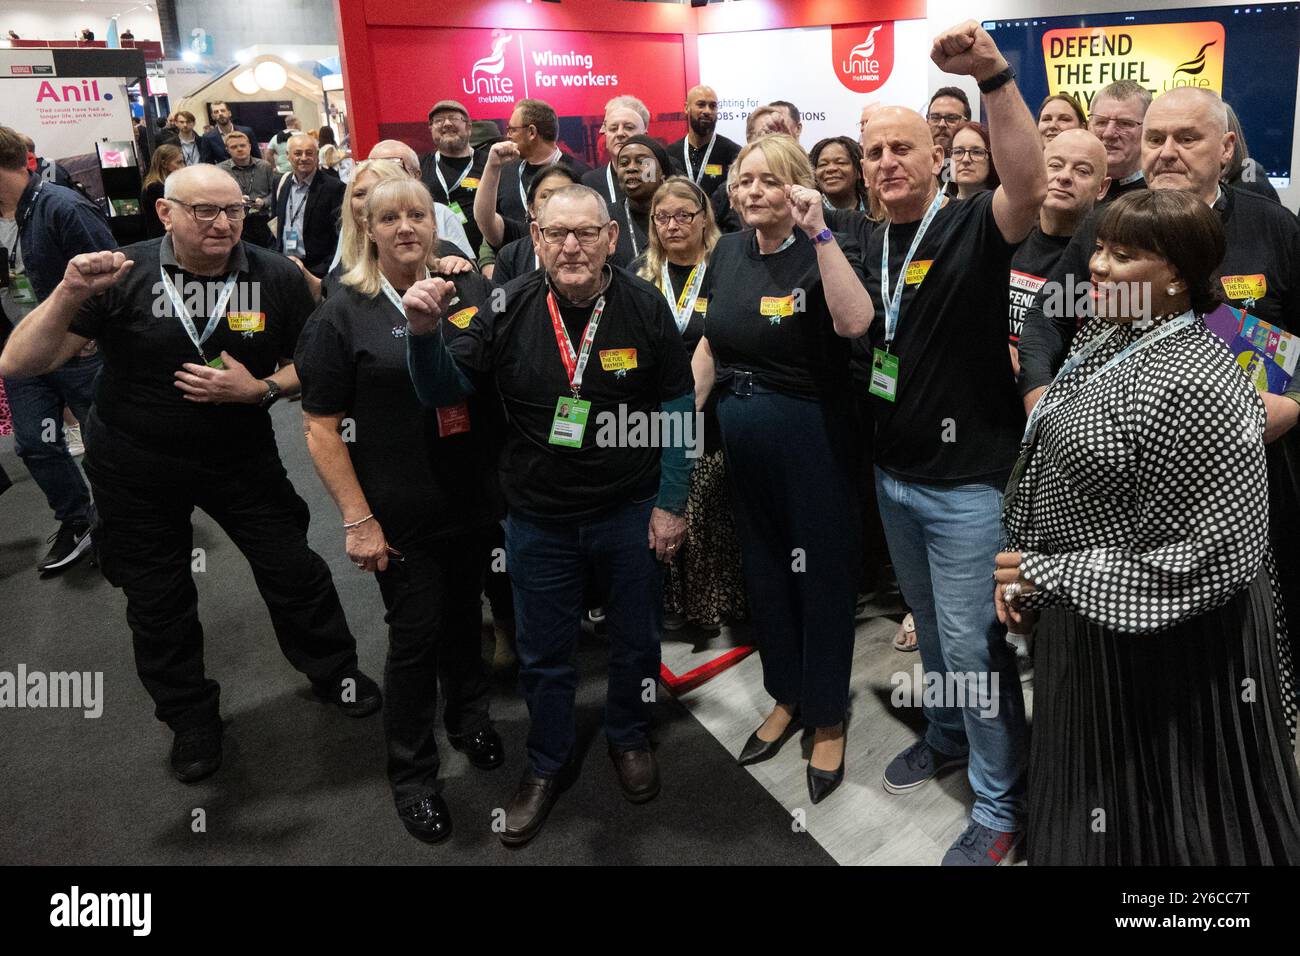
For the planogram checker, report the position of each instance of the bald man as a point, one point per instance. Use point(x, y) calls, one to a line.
point(1186, 142)
point(450, 227)
point(704, 155)
point(196, 330)
point(307, 205)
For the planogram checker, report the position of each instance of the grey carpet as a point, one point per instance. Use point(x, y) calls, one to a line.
point(301, 784)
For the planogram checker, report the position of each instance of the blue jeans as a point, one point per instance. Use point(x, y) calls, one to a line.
point(37, 405)
point(550, 564)
point(943, 540)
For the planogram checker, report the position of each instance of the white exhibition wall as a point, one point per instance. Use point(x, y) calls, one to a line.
point(65, 19)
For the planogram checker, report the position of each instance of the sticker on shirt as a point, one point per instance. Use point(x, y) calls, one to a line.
point(1245, 289)
point(702, 306)
point(618, 361)
point(246, 322)
point(916, 271)
point(776, 307)
point(570, 422)
point(469, 182)
point(453, 420)
point(713, 169)
point(462, 318)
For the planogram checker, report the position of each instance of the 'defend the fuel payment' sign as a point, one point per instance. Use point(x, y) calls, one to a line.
point(1159, 57)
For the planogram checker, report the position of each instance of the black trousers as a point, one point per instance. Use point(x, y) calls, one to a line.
point(144, 499)
point(434, 618)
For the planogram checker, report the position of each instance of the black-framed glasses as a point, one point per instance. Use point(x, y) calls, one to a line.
point(948, 119)
point(974, 152)
point(586, 235)
point(516, 129)
point(208, 212)
point(681, 218)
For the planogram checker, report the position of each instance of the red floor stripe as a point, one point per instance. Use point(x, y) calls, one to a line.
point(694, 678)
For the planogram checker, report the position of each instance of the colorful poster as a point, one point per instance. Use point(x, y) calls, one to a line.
point(1264, 352)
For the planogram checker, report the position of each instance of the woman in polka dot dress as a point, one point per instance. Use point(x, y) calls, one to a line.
point(1137, 521)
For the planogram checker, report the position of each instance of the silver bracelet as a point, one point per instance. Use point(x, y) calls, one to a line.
point(348, 526)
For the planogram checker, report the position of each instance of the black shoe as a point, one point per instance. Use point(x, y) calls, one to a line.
point(355, 694)
point(822, 783)
point(756, 750)
point(196, 752)
point(429, 820)
point(71, 541)
point(484, 749)
point(529, 807)
point(638, 773)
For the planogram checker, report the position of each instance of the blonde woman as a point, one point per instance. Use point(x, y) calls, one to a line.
point(785, 303)
point(417, 491)
point(704, 585)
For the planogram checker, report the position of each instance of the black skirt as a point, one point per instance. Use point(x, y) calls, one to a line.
point(1165, 749)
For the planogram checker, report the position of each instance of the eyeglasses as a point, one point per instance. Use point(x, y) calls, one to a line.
point(208, 212)
point(947, 119)
point(516, 129)
point(1098, 123)
point(450, 119)
point(681, 218)
point(586, 235)
point(974, 152)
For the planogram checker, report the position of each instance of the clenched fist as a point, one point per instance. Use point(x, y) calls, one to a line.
point(502, 153)
point(968, 50)
point(806, 204)
point(92, 272)
point(426, 302)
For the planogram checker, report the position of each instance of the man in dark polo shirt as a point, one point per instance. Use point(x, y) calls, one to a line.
point(534, 129)
point(948, 425)
point(452, 171)
point(703, 155)
point(196, 330)
point(578, 350)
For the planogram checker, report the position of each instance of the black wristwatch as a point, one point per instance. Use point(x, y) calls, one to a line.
point(997, 80)
point(272, 393)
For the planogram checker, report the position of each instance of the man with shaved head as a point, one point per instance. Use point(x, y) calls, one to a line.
point(307, 206)
point(449, 225)
point(948, 424)
point(197, 330)
point(1186, 142)
point(703, 155)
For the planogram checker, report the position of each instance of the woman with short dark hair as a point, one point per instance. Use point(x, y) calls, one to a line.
point(1137, 521)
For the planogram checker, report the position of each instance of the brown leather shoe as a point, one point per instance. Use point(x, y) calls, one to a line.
point(638, 773)
point(528, 808)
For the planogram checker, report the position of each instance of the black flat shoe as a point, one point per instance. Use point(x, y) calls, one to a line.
point(428, 821)
point(822, 783)
point(756, 750)
point(484, 749)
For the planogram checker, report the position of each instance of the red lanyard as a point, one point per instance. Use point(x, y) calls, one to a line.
point(574, 364)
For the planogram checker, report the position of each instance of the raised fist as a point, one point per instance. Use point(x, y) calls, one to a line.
point(968, 50)
point(426, 302)
point(502, 153)
point(806, 204)
point(92, 272)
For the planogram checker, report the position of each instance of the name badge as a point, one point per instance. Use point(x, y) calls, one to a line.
point(215, 363)
point(23, 292)
point(292, 241)
point(617, 360)
point(713, 169)
point(246, 321)
point(453, 420)
point(460, 213)
point(884, 375)
point(570, 422)
point(462, 318)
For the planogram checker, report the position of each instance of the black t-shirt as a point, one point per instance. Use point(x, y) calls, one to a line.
point(144, 344)
point(422, 480)
point(633, 235)
point(516, 258)
point(334, 278)
point(724, 153)
point(768, 315)
point(637, 362)
point(463, 194)
point(957, 417)
point(508, 201)
point(1119, 189)
point(600, 179)
point(1033, 262)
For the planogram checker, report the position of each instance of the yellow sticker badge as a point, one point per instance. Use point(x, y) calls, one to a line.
point(1245, 287)
point(617, 360)
point(246, 321)
point(461, 319)
point(702, 305)
point(916, 271)
point(469, 182)
point(776, 307)
point(713, 169)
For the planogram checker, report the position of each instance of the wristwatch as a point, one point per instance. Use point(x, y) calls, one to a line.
point(823, 237)
point(997, 80)
point(272, 393)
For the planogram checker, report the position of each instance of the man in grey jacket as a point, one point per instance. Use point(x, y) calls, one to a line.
point(256, 178)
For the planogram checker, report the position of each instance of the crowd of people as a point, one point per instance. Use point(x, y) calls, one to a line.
point(871, 337)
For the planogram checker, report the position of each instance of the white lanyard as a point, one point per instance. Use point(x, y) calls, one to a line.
point(1044, 408)
point(609, 178)
point(894, 303)
point(523, 196)
point(437, 171)
point(704, 161)
point(631, 229)
point(393, 297)
point(187, 322)
point(683, 307)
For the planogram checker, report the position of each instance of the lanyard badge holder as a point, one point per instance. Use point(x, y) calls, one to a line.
point(704, 160)
point(570, 420)
point(884, 364)
point(452, 204)
point(187, 321)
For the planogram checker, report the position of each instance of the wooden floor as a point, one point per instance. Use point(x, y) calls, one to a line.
point(860, 823)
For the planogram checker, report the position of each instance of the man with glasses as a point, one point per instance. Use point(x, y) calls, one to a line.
point(1116, 120)
point(452, 171)
point(948, 107)
point(196, 330)
point(577, 347)
point(534, 131)
point(307, 206)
